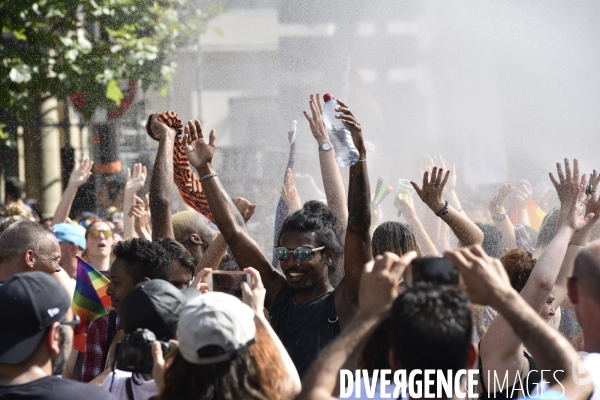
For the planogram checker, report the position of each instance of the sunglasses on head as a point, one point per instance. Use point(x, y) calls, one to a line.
point(301, 253)
point(96, 233)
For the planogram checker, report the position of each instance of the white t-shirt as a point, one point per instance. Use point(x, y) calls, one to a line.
point(142, 391)
point(592, 363)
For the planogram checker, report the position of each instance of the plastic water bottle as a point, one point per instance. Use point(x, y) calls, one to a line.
point(346, 153)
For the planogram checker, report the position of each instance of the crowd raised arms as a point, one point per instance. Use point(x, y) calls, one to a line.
point(137, 300)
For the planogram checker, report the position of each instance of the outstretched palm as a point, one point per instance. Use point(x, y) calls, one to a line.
point(198, 151)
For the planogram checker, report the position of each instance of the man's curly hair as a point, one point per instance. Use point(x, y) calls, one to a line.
point(144, 259)
point(178, 252)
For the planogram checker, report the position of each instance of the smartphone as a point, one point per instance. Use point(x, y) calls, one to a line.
point(229, 282)
point(439, 271)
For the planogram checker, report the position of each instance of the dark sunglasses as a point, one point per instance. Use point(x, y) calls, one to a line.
point(301, 253)
point(73, 323)
point(96, 233)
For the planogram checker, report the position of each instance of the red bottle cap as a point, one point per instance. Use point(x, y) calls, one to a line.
point(327, 97)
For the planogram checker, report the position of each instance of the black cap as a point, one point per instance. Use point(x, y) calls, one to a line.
point(154, 305)
point(31, 303)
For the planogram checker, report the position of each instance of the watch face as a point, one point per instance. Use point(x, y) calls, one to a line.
point(326, 146)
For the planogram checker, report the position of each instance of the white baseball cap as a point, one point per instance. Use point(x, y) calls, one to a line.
point(215, 319)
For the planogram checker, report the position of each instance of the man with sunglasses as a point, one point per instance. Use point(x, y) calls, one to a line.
point(35, 340)
point(306, 311)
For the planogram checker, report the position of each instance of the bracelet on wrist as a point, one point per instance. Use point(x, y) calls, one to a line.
point(205, 177)
point(443, 211)
point(571, 244)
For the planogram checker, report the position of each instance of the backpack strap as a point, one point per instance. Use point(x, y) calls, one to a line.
point(112, 327)
point(332, 316)
point(129, 389)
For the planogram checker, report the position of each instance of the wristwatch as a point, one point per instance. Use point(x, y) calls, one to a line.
point(499, 217)
point(325, 146)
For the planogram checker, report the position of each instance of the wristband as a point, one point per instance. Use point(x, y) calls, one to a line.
point(443, 211)
point(571, 244)
point(205, 177)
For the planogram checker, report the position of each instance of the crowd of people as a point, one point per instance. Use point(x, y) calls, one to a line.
point(341, 291)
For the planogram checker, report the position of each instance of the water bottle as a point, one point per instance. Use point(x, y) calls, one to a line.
point(346, 153)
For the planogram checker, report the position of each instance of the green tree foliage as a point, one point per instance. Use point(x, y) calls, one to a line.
point(54, 48)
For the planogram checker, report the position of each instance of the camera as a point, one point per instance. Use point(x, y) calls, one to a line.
point(134, 352)
point(439, 271)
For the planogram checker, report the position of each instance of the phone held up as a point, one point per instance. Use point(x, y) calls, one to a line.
point(439, 271)
point(229, 282)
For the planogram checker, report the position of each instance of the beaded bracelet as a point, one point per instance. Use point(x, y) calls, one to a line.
point(205, 177)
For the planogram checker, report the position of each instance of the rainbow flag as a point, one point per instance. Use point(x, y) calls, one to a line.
point(536, 214)
point(89, 300)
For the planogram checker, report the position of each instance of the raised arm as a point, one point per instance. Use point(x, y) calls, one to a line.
point(404, 202)
point(82, 171)
point(255, 298)
point(134, 183)
point(140, 213)
point(501, 220)
point(218, 247)
point(566, 187)
point(332, 177)
point(357, 247)
point(501, 348)
point(161, 182)
point(578, 242)
point(431, 194)
point(521, 197)
point(231, 224)
point(378, 290)
point(450, 188)
point(488, 284)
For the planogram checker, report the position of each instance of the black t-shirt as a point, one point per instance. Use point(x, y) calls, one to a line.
point(304, 328)
point(54, 388)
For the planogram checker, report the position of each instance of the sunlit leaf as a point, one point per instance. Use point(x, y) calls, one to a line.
point(20, 73)
point(113, 92)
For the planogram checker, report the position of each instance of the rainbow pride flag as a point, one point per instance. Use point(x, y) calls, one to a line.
point(535, 213)
point(89, 300)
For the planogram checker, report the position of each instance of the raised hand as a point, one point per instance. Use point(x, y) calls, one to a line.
point(522, 194)
point(140, 212)
point(315, 120)
point(497, 203)
point(244, 207)
point(576, 218)
point(431, 192)
point(379, 282)
point(82, 170)
point(198, 150)
point(451, 185)
point(136, 180)
point(485, 277)
point(254, 296)
point(159, 129)
point(289, 193)
point(199, 282)
point(353, 125)
point(404, 202)
point(568, 183)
